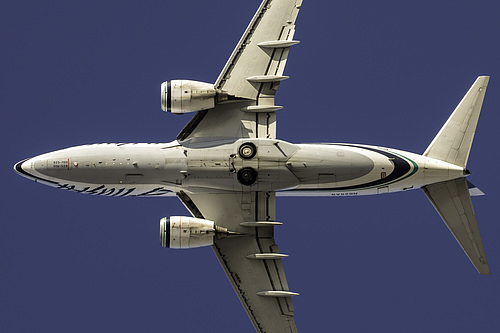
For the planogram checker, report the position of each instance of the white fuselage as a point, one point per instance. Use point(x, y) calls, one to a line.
point(162, 169)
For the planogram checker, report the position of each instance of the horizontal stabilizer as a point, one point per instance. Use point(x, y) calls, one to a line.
point(452, 201)
point(453, 142)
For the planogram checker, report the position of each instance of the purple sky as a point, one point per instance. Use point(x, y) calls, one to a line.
point(387, 73)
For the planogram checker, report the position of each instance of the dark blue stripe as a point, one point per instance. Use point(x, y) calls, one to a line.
point(401, 167)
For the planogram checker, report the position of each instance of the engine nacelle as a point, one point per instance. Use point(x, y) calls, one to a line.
point(181, 232)
point(182, 96)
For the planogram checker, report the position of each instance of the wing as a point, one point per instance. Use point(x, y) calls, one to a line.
point(452, 201)
point(251, 77)
point(251, 260)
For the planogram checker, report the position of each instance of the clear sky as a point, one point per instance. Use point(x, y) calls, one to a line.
point(387, 73)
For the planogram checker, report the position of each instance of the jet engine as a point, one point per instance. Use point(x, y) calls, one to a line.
point(182, 96)
point(181, 232)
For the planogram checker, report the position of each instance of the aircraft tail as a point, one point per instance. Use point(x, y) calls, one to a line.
point(451, 199)
point(453, 142)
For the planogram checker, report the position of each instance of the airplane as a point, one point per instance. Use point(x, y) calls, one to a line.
point(227, 167)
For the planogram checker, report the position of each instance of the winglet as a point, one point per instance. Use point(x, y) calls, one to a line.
point(453, 142)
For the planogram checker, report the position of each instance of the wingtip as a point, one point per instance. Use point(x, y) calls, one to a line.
point(484, 78)
point(484, 270)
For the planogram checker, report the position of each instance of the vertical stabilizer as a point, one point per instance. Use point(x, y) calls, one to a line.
point(452, 201)
point(453, 142)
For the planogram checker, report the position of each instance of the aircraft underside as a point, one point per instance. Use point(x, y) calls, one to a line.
point(227, 167)
point(153, 170)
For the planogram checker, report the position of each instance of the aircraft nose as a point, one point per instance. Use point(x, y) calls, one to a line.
point(24, 167)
